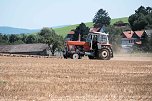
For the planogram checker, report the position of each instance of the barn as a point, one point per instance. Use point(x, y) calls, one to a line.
point(28, 49)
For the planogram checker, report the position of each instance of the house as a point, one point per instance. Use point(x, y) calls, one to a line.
point(130, 38)
point(121, 25)
point(28, 49)
point(69, 36)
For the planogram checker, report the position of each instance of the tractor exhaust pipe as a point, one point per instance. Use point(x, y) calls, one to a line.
point(79, 38)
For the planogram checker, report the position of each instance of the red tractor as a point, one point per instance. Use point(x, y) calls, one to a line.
point(96, 46)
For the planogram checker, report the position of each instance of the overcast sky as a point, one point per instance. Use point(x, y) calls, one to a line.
point(35, 14)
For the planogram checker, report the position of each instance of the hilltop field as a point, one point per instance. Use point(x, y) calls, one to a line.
point(64, 30)
point(57, 79)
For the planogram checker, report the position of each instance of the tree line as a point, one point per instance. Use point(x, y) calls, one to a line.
point(17, 39)
point(142, 19)
point(46, 35)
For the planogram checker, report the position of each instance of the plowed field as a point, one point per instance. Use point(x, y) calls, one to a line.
point(55, 79)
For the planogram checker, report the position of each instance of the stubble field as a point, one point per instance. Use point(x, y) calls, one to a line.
point(120, 79)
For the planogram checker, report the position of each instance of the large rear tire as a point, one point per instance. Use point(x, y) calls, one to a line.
point(104, 54)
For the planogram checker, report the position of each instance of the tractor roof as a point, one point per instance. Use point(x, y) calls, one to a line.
point(100, 33)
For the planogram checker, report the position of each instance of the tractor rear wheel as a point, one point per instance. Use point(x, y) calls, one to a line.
point(104, 54)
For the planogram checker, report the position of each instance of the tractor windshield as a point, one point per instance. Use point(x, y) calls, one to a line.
point(89, 38)
point(103, 39)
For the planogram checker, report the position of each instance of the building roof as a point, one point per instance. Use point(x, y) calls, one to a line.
point(23, 48)
point(133, 34)
point(139, 33)
point(121, 24)
point(128, 34)
point(5, 48)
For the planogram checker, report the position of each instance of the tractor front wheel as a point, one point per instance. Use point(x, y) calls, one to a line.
point(91, 57)
point(75, 56)
point(65, 57)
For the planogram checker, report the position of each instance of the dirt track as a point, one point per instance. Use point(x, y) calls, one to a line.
point(78, 80)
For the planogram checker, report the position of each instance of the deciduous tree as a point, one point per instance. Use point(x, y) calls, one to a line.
point(31, 39)
point(142, 19)
point(54, 41)
point(13, 38)
point(81, 30)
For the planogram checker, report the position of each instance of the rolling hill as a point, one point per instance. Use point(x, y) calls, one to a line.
point(61, 30)
point(64, 30)
point(11, 30)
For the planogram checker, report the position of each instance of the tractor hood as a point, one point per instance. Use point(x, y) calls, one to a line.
point(81, 43)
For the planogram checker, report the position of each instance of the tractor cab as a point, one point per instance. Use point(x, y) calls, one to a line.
point(97, 39)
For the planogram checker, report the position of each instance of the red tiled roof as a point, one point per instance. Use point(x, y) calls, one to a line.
point(139, 33)
point(128, 34)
